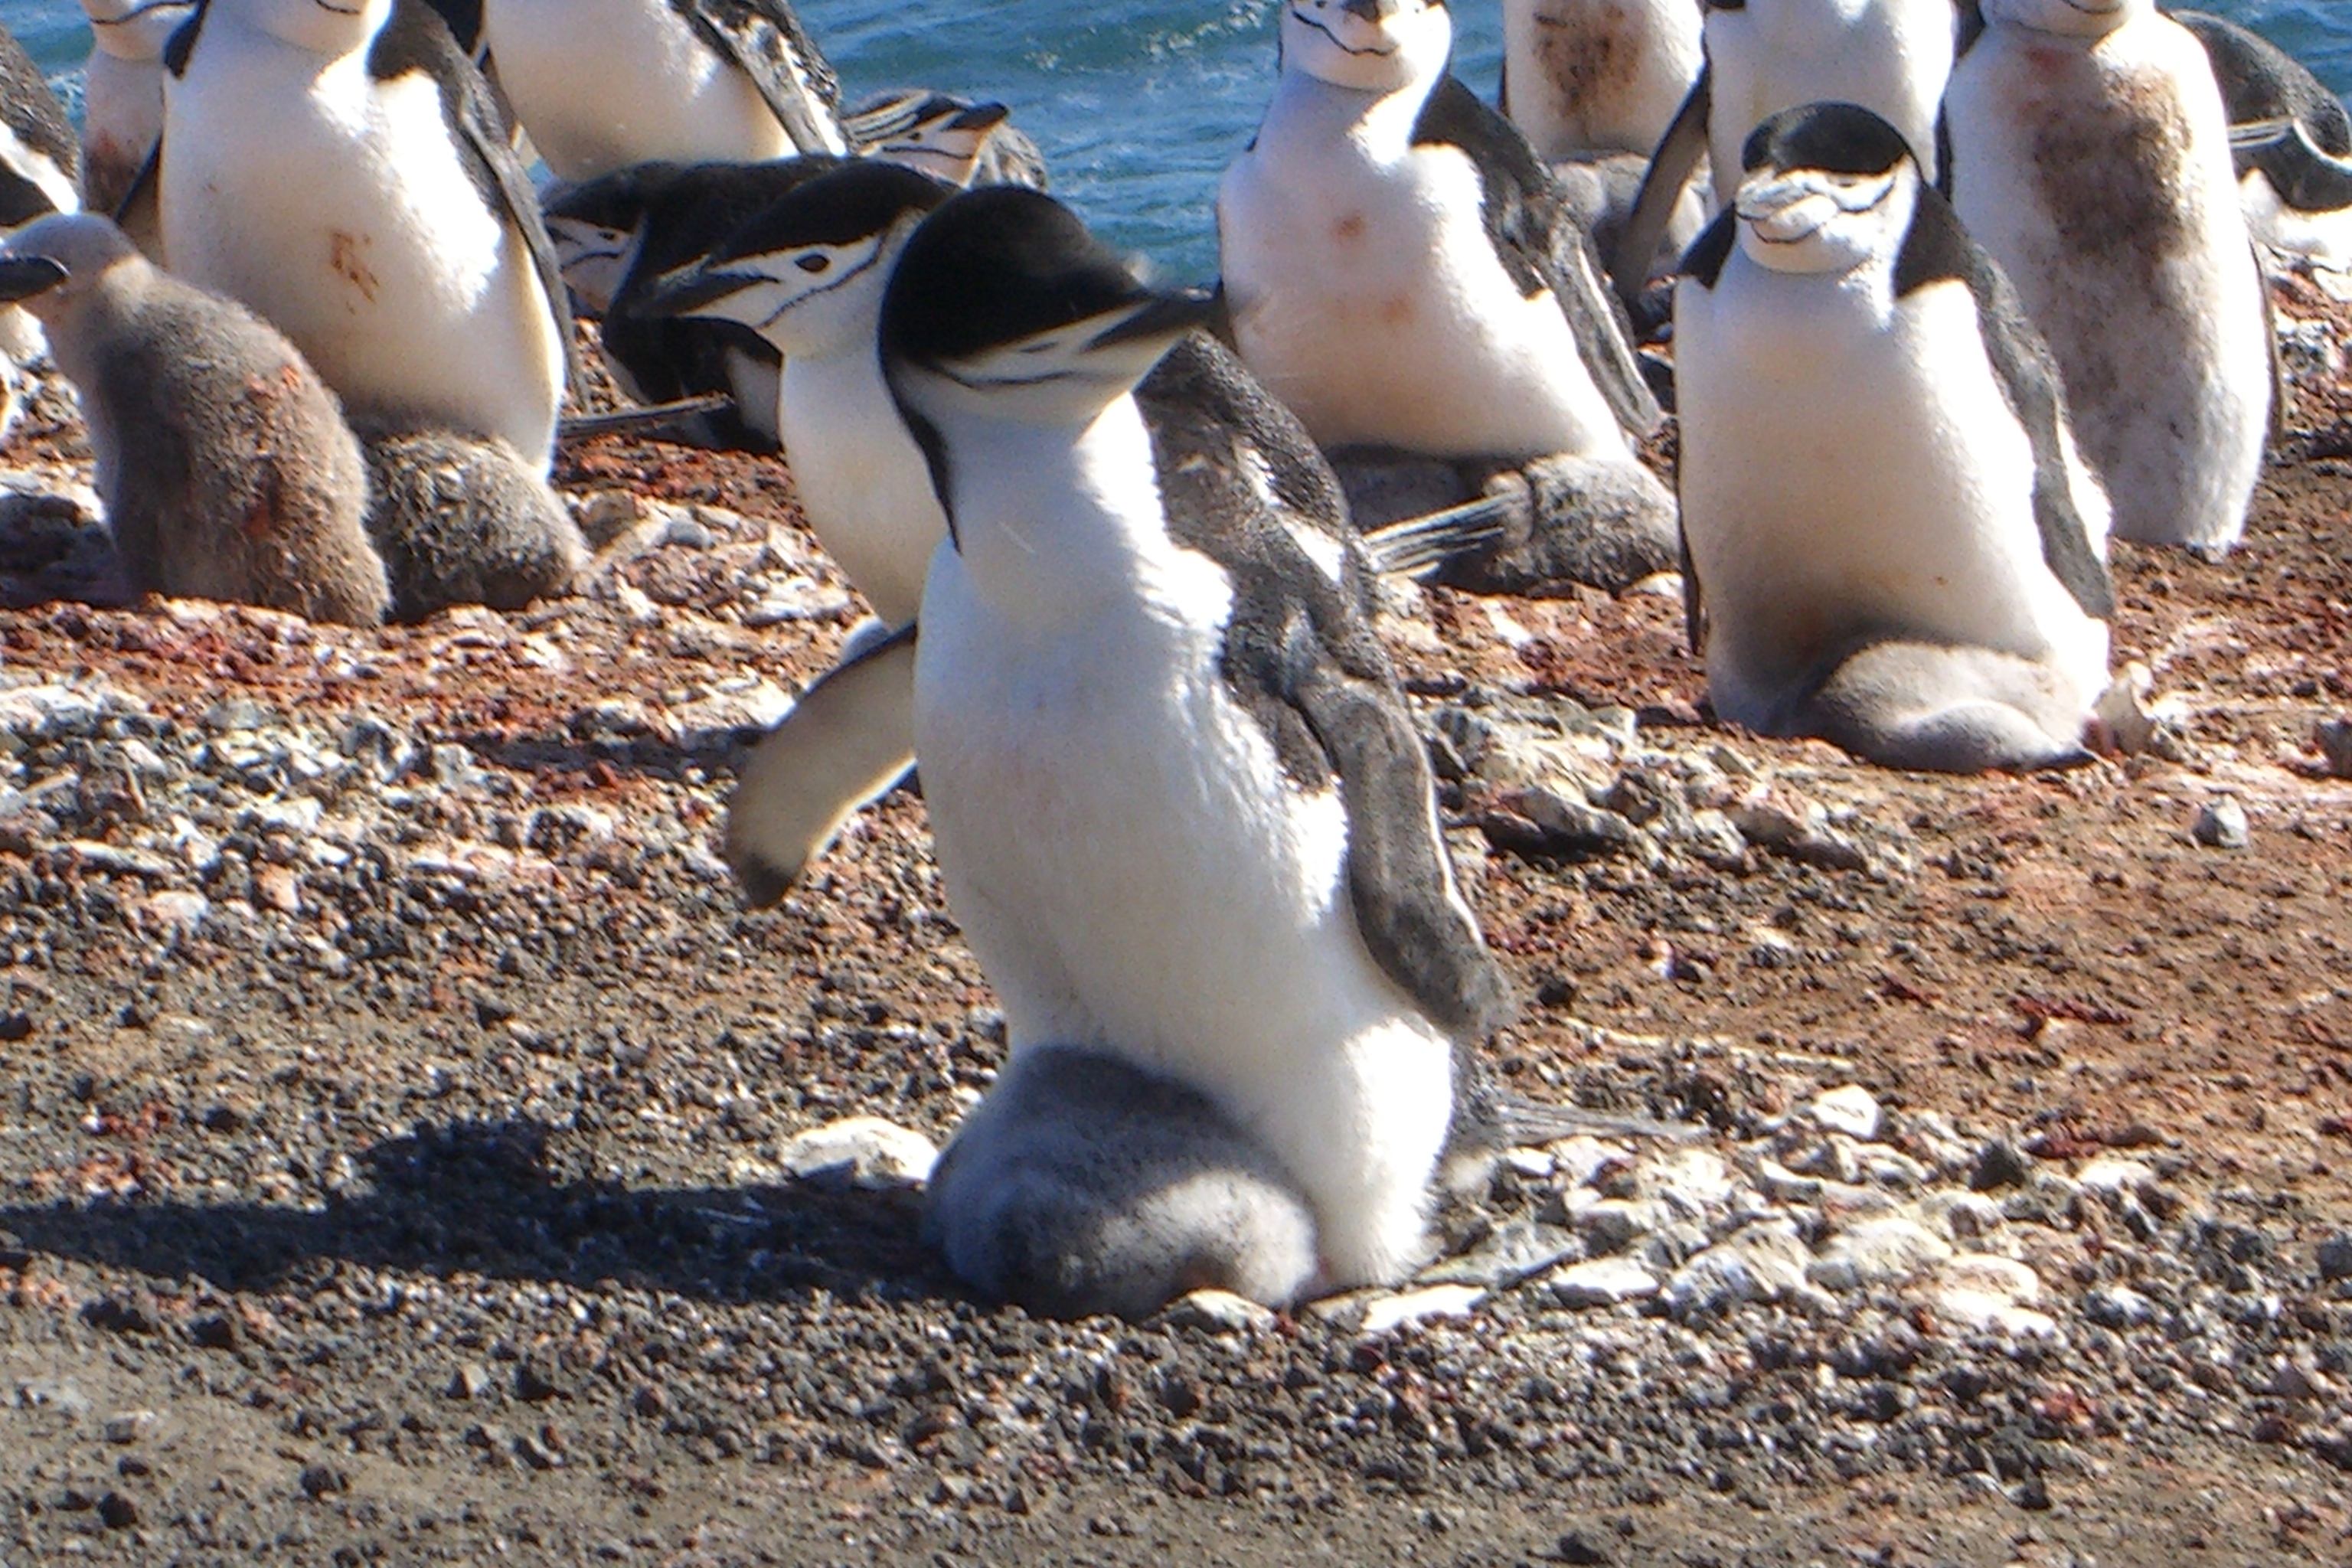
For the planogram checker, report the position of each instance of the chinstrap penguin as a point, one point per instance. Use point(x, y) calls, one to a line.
point(1183, 816)
point(2090, 156)
point(2292, 142)
point(1893, 542)
point(345, 173)
point(617, 235)
point(123, 99)
point(808, 275)
point(1892, 56)
point(953, 138)
point(40, 165)
point(602, 84)
point(1386, 222)
point(224, 461)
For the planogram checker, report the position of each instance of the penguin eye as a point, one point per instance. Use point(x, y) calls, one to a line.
point(813, 263)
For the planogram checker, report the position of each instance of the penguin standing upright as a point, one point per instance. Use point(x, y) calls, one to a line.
point(1598, 76)
point(123, 94)
point(224, 461)
point(2091, 158)
point(602, 84)
point(1184, 818)
point(344, 172)
point(2292, 142)
point(1892, 56)
point(1385, 222)
point(1893, 542)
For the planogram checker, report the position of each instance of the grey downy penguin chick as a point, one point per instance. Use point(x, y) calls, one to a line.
point(1234, 877)
point(2091, 158)
point(224, 461)
point(617, 235)
point(1940, 601)
point(1085, 1184)
point(1891, 56)
point(602, 84)
point(344, 171)
point(1385, 218)
point(464, 520)
point(123, 105)
point(2291, 140)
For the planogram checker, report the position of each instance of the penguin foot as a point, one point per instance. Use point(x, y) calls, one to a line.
point(1085, 1185)
point(1949, 710)
point(463, 520)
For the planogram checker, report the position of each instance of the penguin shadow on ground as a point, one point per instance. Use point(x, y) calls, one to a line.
point(601, 743)
point(495, 1198)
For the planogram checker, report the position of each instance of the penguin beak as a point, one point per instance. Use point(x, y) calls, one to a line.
point(980, 117)
point(691, 290)
point(1162, 318)
point(28, 276)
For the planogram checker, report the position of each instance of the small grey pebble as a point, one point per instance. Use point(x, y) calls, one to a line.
point(2220, 824)
point(2336, 1256)
point(2000, 1164)
point(2334, 738)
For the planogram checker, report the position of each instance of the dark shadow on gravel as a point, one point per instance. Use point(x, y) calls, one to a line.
point(716, 754)
point(483, 1198)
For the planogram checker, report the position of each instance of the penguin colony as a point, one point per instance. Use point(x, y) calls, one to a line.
point(1104, 524)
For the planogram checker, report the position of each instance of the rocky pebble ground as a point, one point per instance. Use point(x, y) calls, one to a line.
point(410, 1150)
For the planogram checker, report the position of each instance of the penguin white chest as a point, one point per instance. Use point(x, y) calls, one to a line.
point(1851, 470)
point(601, 84)
point(1368, 297)
point(2099, 176)
point(340, 208)
point(123, 114)
point(1892, 56)
point(862, 479)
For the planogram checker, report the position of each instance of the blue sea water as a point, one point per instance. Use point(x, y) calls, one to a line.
point(1140, 107)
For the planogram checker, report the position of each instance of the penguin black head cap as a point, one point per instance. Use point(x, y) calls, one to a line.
point(1003, 263)
point(860, 199)
point(1836, 138)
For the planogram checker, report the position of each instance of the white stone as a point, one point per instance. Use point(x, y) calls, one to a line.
point(1532, 1164)
point(1692, 1180)
point(1985, 1292)
point(1218, 1311)
point(1603, 1282)
point(1849, 1109)
point(1763, 1263)
point(2112, 1173)
point(1876, 1252)
point(1578, 1159)
point(1385, 1312)
point(178, 911)
point(859, 1152)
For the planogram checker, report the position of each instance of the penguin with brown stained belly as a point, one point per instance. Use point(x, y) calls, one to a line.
point(2091, 157)
point(224, 461)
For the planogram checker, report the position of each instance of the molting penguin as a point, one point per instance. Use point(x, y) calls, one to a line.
point(344, 172)
point(1941, 599)
point(226, 468)
point(1183, 816)
point(2292, 142)
point(1384, 220)
point(616, 236)
point(602, 84)
point(1597, 76)
point(2091, 158)
point(1892, 56)
point(123, 94)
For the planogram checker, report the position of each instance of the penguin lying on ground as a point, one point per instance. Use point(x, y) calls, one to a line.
point(1892, 56)
point(1385, 219)
point(2091, 158)
point(223, 462)
point(2292, 142)
point(602, 84)
point(1184, 818)
point(1893, 544)
point(345, 173)
point(461, 520)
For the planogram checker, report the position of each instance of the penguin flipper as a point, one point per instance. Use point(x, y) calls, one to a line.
point(846, 743)
point(1532, 224)
point(1302, 659)
point(418, 38)
point(1678, 153)
point(758, 35)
